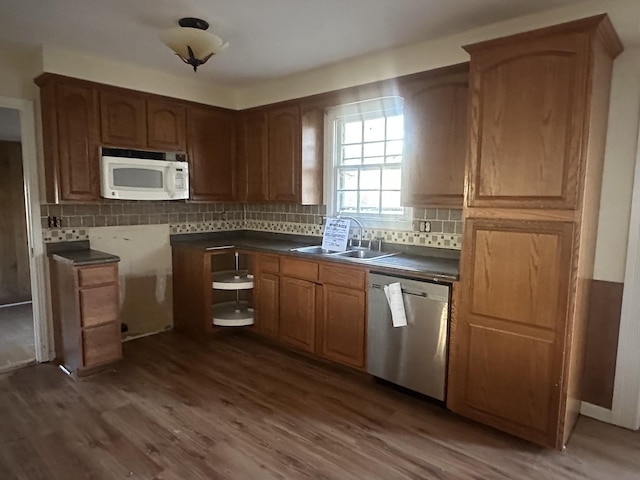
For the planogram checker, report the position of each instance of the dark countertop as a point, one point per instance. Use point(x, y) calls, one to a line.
point(84, 257)
point(438, 266)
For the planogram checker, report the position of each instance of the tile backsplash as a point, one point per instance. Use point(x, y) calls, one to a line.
point(446, 224)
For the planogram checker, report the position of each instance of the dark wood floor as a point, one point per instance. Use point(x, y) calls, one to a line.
point(17, 345)
point(239, 409)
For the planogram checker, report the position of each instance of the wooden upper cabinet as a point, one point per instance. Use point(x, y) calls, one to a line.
point(539, 106)
point(211, 154)
point(528, 111)
point(166, 126)
point(435, 119)
point(253, 153)
point(124, 119)
point(311, 181)
point(284, 154)
point(71, 140)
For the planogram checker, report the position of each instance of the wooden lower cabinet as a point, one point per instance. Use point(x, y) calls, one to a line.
point(343, 325)
point(86, 314)
point(315, 307)
point(267, 302)
point(322, 307)
point(509, 343)
point(298, 313)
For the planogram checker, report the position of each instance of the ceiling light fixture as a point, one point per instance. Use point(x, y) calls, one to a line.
point(191, 42)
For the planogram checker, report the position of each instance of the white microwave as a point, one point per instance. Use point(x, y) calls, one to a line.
point(143, 175)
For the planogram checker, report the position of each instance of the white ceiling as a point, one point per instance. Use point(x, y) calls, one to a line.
point(268, 38)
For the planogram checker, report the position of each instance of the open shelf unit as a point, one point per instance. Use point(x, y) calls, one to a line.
point(231, 289)
point(232, 313)
point(207, 289)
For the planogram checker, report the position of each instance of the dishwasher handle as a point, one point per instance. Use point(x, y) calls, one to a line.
point(405, 291)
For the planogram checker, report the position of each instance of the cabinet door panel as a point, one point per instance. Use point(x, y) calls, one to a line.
point(436, 127)
point(99, 305)
point(166, 126)
point(343, 325)
point(93, 276)
point(284, 154)
point(511, 374)
point(297, 313)
point(211, 154)
point(509, 340)
point(527, 123)
point(124, 122)
point(254, 156)
point(299, 268)
point(267, 295)
point(101, 345)
point(78, 139)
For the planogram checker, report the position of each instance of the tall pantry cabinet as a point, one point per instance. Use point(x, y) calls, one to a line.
point(538, 117)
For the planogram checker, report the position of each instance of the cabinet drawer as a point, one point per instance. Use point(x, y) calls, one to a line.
point(90, 276)
point(101, 345)
point(268, 264)
point(299, 269)
point(343, 276)
point(99, 305)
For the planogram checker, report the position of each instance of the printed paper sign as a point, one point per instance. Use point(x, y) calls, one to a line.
point(336, 234)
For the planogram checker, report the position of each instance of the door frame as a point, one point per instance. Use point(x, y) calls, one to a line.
point(626, 391)
point(41, 328)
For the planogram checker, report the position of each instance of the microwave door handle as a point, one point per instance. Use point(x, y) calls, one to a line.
point(171, 181)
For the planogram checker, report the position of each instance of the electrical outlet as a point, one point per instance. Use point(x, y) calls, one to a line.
point(425, 226)
point(54, 222)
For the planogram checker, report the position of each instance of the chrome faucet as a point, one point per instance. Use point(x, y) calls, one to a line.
point(359, 226)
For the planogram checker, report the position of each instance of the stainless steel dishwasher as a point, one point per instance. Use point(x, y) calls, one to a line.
point(413, 356)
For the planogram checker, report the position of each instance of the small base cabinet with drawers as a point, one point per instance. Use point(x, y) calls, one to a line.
point(86, 313)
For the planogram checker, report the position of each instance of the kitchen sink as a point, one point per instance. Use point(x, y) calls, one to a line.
point(353, 254)
point(314, 249)
point(364, 254)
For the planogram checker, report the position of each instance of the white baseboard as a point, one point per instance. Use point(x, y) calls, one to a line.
point(142, 335)
point(594, 411)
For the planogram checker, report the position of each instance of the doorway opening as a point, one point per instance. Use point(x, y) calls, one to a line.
point(17, 335)
point(25, 334)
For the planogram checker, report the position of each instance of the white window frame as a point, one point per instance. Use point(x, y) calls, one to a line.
point(331, 156)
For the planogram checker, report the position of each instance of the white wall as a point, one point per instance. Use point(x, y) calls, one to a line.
point(620, 159)
point(431, 54)
point(145, 278)
point(19, 65)
point(127, 75)
point(623, 120)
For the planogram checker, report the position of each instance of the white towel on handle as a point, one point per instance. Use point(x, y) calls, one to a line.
point(393, 292)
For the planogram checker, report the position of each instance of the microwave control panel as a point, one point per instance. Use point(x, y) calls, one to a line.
point(179, 180)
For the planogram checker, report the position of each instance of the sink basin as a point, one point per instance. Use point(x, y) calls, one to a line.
point(313, 249)
point(364, 254)
point(354, 254)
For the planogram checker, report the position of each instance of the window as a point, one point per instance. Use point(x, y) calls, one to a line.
point(364, 161)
